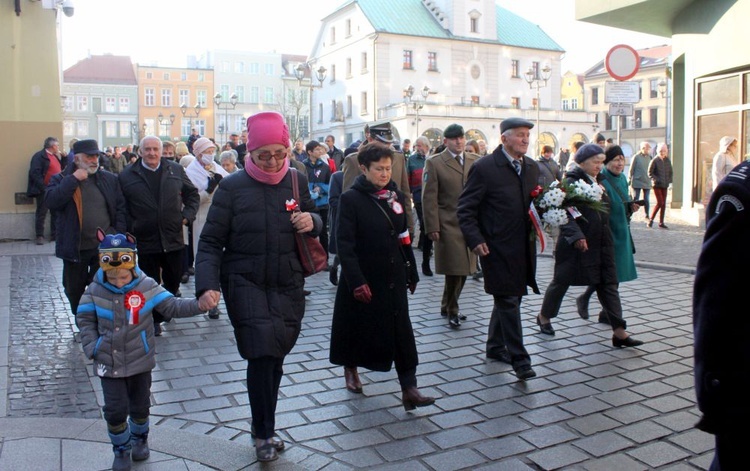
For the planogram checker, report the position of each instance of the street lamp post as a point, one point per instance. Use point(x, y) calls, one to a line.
point(416, 104)
point(300, 72)
point(537, 81)
point(666, 93)
point(167, 122)
point(226, 106)
point(183, 110)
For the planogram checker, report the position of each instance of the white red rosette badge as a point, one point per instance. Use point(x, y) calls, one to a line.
point(134, 302)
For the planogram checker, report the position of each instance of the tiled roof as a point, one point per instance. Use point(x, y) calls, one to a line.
point(106, 69)
point(412, 18)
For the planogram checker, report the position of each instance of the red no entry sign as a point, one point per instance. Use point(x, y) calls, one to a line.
point(622, 62)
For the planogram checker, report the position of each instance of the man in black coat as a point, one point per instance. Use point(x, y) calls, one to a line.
point(44, 164)
point(160, 199)
point(334, 153)
point(83, 197)
point(493, 216)
point(722, 352)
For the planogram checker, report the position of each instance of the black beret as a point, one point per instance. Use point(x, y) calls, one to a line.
point(86, 146)
point(588, 151)
point(512, 123)
point(453, 131)
point(611, 153)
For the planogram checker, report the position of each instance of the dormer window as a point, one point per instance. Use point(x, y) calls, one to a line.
point(474, 17)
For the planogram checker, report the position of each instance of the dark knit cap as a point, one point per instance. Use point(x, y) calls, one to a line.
point(611, 153)
point(588, 151)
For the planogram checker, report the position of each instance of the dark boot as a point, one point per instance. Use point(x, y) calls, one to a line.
point(352, 379)
point(121, 449)
point(139, 441)
point(412, 398)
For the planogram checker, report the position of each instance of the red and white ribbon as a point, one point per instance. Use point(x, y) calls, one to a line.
point(134, 301)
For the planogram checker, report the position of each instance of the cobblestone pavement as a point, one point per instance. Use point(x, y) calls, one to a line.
point(592, 407)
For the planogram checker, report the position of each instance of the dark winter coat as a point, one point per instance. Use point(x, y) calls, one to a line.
point(334, 195)
point(120, 349)
point(722, 352)
point(661, 172)
point(494, 209)
point(597, 264)
point(63, 198)
point(247, 249)
point(370, 252)
point(157, 225)
point(37, 171)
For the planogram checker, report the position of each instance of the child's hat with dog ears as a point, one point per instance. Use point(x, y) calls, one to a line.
point(116, 250)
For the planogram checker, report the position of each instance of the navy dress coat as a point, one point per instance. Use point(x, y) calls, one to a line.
point(368, 335)
point(494, 209)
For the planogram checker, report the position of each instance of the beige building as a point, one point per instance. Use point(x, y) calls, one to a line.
point(709, 91)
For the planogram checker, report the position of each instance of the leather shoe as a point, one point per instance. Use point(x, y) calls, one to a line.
point(306, 292)
point(40, 241)
point(461, 317)
point(650, 223)
point(501, 356)
point(275, 440)
point(628, 341)
point(184, 278)
point(583, 307)
point(333, 276)
point(663, 226)
point(524, 372)
point(214, 313)
point(351, 376)
point(454, 321)
point(412, 398)
point(426, 269)
point(545, 328)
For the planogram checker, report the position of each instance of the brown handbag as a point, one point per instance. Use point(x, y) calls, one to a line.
point(312, 255)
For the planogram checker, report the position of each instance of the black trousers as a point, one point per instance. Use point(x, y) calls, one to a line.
point(730, 451)
point(423, 239)
point(41, 215)
point(126, 396)
point(165, 268)
point(77, 276)
point(454, 284)
point(324, 232)
point(608, 294)
point(263, 380)
point(505, 330)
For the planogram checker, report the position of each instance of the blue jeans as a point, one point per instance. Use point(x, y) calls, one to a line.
point(646, 193)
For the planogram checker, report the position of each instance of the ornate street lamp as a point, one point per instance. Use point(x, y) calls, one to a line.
point(300, 72)
point(416, 103)
point(537, 81)
point(226, 106)
point(666, 93)
point(166, 122)
point(183, 110)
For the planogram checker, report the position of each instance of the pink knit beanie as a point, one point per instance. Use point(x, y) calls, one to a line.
point(266, 128)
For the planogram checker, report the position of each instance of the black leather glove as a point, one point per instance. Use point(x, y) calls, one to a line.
point(213, 183)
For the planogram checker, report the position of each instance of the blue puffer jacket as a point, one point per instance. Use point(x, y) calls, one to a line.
point(121, 349)
point(319, 176)
point(63, 197)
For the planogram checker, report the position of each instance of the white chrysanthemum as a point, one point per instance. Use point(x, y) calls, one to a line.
point(553, 198)
point(555, 217)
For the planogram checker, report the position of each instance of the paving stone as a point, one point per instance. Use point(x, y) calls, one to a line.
point(557, 457)
point(619, 462)
point(593, 424)
point(568, 378)
point(367, 420)
point(410, 428)
point(500, 409)
point(360, 458)
point(695, 441)
point(507, 465)
point(454, 419)
point(409, 448)
point(361, 439)
point(658, 454)
point(455, 459)
point(502, 426)
point(585, 406)
point(619, 398)
point(643, 432)
point(546, 415)
point(631, 413)
point(678, 421)
point(603, 444)
point(543, 437)
point(666, 404)
point(500, 448)
point(576, 391)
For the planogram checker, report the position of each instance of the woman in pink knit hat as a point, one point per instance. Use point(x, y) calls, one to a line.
point(247, 250)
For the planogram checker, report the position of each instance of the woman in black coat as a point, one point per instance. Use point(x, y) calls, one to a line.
point(371, 326)
point(247, 248)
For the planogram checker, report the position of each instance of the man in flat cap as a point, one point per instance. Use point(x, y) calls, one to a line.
point(493, 213)
point(443, 180)
point(382, 135)
point(84, 198)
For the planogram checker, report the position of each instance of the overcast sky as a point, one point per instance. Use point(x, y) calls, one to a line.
point(167, 31)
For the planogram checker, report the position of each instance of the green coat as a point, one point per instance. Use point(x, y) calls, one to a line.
point(620, 226)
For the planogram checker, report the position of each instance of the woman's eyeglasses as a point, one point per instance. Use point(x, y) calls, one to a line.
point(265, 155)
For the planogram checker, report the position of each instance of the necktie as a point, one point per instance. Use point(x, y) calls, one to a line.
point(460, 159)
point(517, 166)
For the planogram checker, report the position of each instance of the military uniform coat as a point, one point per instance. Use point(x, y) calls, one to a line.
point(443, 181)
point(494, 209)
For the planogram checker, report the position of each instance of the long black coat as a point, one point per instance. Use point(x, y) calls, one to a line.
point(369, 249)
point(494, 209)
point(157, 225)
point(597, 264)
point(247, 248)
